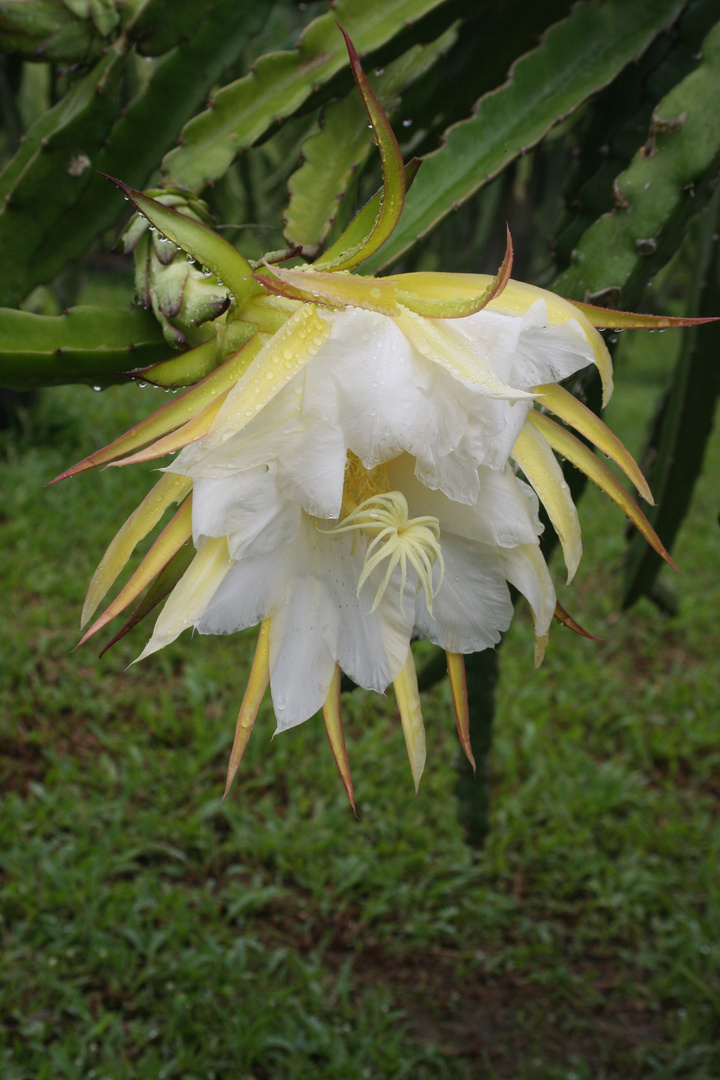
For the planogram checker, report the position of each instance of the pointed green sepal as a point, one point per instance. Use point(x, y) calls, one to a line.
point(607, 319)
point(209, 249)
point(335, 290)
point(184, 370)
point(170, 488)
point(432, 307)
point(173, 415)
point(408, 699)
point(458, 688)
point(393, 190)
point(195, 429)
point(572, 412)
point(361, 225)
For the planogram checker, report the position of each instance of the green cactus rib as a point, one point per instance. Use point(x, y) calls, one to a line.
point(680, 433)
point(48, 30)
point(159, 25)
point(52, 168)
point(279, 84)
point(135, 144)
point(666, 183)
point(576, 58)
point(619, 121)
point(333, 154)
point(85, 345)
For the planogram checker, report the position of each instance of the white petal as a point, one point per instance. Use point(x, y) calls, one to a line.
point(254, 588)
point(526, 569)
point(550, 353)
point(369, 380)
point(370, 648)
point(472, 606)
point(505, 511)
point(311, 470)
point(492, 337)
point(257, 444)
point(248, 509)
point(191, 595)
point(301, 664)
point(523, 350)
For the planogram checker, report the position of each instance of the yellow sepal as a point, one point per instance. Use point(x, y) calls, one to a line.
point(252, 699)
point(458, 687)
point(565, 444)
point(176, 533)
point(335, 734)
point(169, 489)
point(534, 456)
point(408, 699)
point(573, 412)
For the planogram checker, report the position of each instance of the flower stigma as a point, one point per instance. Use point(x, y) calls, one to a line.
point(397, 538)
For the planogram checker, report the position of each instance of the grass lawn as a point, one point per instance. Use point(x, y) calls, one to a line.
point(151, 931)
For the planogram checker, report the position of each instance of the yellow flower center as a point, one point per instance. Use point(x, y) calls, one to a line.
point(361, 484)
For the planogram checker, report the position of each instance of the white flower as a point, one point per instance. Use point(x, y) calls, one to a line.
point(371, 499)
point(348, 472)
point(349, 482)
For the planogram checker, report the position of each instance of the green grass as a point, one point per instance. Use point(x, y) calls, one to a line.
point(150, 930)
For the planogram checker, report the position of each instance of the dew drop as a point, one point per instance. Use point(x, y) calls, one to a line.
point(407, 123)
